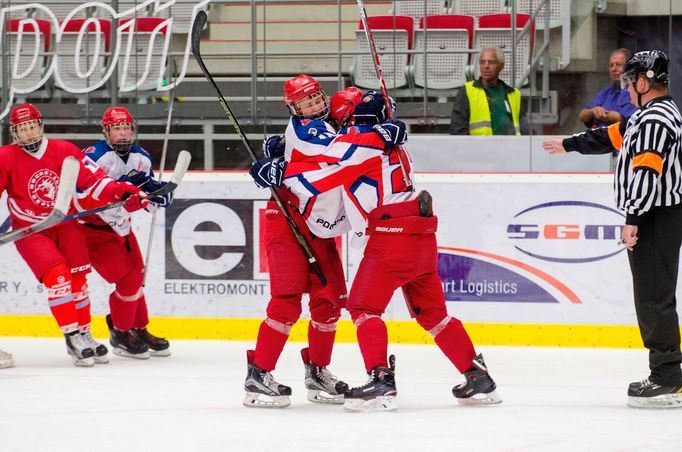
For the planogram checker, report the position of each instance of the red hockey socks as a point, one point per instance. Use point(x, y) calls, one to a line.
point(81, 299)
point(272, 336)
point(57, 280)
point(373, 340)
point(122, 310)
point(454, 341)
point(321, 342)
point(141, 315)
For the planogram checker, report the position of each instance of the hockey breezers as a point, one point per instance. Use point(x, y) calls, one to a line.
point(65, 190)
point(198, 25)
point(181, 165)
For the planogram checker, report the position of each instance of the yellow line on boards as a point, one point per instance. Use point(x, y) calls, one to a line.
point(403, 332)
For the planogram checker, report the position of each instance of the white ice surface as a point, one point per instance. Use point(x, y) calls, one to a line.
point(555, 399)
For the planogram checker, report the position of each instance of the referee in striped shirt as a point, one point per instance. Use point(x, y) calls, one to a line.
point(648, 186)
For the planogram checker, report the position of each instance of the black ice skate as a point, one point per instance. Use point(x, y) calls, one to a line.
point(378, 394)
point(323, 387)
point(158, 346)
point(101, 350)
point(262, 390)
point(81, 354)
point(645, 394)
point(479, 388)
point(125, 344)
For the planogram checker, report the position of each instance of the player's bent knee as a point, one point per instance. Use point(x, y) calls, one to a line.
point(285, 308)
point(57, 280)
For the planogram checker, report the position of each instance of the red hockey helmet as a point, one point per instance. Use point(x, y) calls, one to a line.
point(118, 127)
point(305, 98)
point(116, 115)
point(26, 126)
point(342, 105)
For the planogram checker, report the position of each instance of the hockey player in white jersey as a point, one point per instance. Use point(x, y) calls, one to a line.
point(319, 220)
point(112, 245)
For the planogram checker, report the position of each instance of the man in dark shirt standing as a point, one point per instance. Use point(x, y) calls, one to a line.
point(487, 106)
point(612, 103)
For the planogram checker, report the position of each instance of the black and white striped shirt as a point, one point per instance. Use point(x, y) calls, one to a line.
point(649, 168)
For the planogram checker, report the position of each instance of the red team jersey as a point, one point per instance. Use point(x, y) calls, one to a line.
point(357, 162)
point(31, 179)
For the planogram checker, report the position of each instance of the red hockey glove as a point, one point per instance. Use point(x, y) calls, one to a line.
point(136, 202)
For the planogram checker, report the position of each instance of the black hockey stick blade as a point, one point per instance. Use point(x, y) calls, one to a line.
point(181, 165)
point(65, 190)
point(197, 27)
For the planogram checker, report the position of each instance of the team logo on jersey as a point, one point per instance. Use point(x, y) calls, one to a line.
point(90, 150)
point(42, 188)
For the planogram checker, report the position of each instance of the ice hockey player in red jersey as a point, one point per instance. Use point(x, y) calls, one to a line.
point(399, 228)
point(58, 258)
point(112, 245)
point(319, 220)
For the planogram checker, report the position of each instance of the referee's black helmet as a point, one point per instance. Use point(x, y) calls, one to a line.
point(653, 64)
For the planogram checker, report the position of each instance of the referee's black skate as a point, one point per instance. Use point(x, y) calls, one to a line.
point(645, 394)
point(322, 385)
point(479, 388)
point(81, 354)
point(262, 390)
point(378, 394)
point(158, 346)
point(125, 344)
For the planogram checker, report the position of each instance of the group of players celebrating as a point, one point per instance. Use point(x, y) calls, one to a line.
point(340, 167)
point(114, 169)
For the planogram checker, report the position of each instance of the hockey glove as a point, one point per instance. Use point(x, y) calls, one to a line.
point(268, 172)
point(372, 109)
point(393, 132)
point(137, 178)
point(135, 198)
point(273, 147)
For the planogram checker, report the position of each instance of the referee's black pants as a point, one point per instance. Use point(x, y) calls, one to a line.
point(654, 263)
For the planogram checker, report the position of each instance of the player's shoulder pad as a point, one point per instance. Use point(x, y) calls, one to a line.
point(136, 149)
point(97, 150)
point(314, 131)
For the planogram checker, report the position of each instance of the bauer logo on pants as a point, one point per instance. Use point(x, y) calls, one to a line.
point(209, 239)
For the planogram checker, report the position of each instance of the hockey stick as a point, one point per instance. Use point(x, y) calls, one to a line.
point(162, 165)
point(181, 165)
point(62, 203)
point(4, 227)
point(384, 91)
point(198, 25)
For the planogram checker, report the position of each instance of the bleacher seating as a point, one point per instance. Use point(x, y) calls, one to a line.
point(557, 9)
point(419, 8)
point(91, 53)
point(495, 30)
point(390, 33)
point(23, 48)
point(478, 8)
point(442, 33)
point(142, 71)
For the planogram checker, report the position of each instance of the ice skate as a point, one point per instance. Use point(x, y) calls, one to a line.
point(323, 387)
point(125, 344)
point(81, 354)
point(101, 350)
point(645, 394)
point(479, 387)
point(6, 360)
point(261, 388)
point(378, 394)
point(158, 346)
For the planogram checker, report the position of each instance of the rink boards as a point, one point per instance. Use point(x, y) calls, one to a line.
point(525, 259)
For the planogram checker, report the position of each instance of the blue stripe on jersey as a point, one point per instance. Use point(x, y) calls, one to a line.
point(313, 131)
point(97, 150)
point(313, 191)
point(364, 180)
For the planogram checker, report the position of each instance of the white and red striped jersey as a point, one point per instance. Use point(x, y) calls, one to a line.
point(31, 179)
point(355, 161)
point(308, 139)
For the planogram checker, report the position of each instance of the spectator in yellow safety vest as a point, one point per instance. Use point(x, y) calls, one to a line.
point(487, 106)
